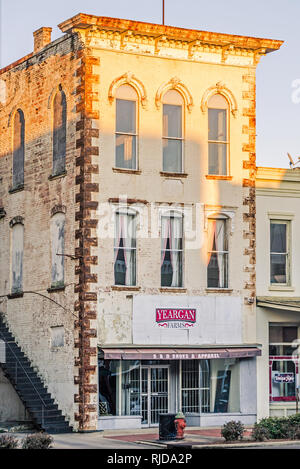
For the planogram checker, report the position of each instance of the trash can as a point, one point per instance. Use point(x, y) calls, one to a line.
point(167, 429)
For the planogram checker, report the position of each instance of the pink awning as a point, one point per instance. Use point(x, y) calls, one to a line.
point(179, 353)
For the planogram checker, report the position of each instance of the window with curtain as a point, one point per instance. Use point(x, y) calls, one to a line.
point(217, 264)
point(172, 132)
point(217, 135)
point(18, 149)
point(59, 133)
point(57, 228)
point(125, 249)
point(172, 250)
point(279, 254)
point(126, 127)
point(17, 258)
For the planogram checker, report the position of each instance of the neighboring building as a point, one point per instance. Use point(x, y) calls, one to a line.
point(278, 289)
point(128, 244)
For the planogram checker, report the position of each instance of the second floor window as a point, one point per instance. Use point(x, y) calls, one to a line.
point(279, 252)
point(217, 265)
point(18, 150)
point(172, 250)
point(125, 249)
point(172, 132)
point(126, 128)
point(217, 136)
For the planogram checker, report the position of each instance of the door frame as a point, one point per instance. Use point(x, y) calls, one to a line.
point(149, 367)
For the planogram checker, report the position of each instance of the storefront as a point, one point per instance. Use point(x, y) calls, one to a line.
point(187, 354)
point(207, 385)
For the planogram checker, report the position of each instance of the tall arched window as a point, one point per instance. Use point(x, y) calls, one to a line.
point(57, 228)
point(126, 127)
point(17, 257)
point(218, 139)
point(173, 132)
point(59, 133)
point(18, 149)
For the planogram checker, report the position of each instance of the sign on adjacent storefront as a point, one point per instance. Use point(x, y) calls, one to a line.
point(283, 378)
point(175, 318)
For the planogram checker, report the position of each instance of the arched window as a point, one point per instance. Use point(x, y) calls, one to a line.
point(172, 249)
point(17, 258)
point(125, 247)
point(57, 228)
point(59, 133)
point(173, 132)
point(217, 259)
point(18, 149)
point(126, 127)
point(218, 139)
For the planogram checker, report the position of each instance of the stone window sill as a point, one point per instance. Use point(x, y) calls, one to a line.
point(173, 175)
point(56, 288)
point(215, 177)
point(13, 190)
point(57, 176)
point(172, 290)
point(219, 290)
point(127, 171)
point(281, 288)
point(13, 296)
point(124, 288)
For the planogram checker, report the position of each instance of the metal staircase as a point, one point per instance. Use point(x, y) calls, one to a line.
point(32, 391)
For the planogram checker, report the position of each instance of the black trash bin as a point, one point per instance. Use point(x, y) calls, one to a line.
point(167, 429)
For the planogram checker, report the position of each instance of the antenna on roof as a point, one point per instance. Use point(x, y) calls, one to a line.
point(163, 12)
point(292, 163)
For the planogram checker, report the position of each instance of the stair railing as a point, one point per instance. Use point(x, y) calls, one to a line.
point(23, 369)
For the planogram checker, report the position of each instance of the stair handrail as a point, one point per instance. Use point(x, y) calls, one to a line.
point(42, 400)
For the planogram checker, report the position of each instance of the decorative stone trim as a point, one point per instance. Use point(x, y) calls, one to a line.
point(15, 221)
point(128, 79)
point(127, 171)
point(174, 84)
point(86, 239)
point(58, 209)
point(57, 176)
point(212, 177)
point(173, 175)
point(222, 89)
point(14, 190)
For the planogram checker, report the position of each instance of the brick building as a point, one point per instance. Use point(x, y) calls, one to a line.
point(127, 206)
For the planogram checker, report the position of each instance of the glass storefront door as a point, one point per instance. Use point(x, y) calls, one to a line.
point(154, 393)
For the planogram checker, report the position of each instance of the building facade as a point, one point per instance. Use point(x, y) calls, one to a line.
point(128, 220)
point(278, 293)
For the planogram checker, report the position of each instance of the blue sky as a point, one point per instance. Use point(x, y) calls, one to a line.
point(278, 115)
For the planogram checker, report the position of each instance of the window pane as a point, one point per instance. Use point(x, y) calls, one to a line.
point(217, 158)
point(59, 132)
point(278, 268)
point(125, 250)
point(172, 156)
point(283, 379)
point(18, 150)
point(126, 116)
point(126, 151)
point(17, 258)
point(217, 125)
point(217, 276)
point(172, 121)
point(278, 237)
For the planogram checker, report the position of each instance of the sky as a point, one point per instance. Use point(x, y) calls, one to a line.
point(278, 74)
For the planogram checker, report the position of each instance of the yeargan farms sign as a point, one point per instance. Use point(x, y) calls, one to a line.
point(175, 318)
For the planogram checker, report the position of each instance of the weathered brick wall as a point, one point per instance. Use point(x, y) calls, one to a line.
point(31, 86)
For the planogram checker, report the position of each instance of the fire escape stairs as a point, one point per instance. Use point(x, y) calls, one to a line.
point(30, 388)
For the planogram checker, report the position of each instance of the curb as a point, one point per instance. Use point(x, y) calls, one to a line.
point(225, 446)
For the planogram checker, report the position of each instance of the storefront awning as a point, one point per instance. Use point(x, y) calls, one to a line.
point(179, 353)
point(287, 304)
